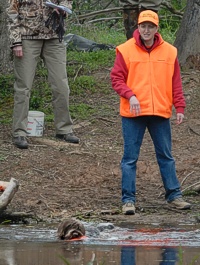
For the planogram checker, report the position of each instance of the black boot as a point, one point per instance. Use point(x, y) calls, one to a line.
point(130, 17)
point(69, 137)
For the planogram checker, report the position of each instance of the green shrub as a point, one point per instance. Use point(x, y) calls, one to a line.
point(81, 111)
point(6, 85)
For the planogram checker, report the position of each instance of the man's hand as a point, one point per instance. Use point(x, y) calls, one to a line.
point(134, 105)
point(179, 118)
point(17, 51)
point(56, 10)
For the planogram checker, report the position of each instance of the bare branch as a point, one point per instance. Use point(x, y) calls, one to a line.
point(195, 184)
point(119, 9)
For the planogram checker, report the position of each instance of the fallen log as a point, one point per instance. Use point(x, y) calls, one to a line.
point(7, 217)
point(3, 185)
point(10, 189)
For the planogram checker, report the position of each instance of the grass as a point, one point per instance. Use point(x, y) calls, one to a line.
point(3, 157)
point(5, 222)
point(81, 111)
point(181, 260)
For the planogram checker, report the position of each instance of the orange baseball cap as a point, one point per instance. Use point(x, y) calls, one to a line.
point(148, 16)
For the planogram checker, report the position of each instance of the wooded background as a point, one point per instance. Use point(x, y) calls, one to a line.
point(96, 11)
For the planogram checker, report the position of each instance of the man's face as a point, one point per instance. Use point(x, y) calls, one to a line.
point(147, 31)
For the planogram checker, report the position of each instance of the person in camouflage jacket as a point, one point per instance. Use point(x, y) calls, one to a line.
point(27, 20)
point(34, 32)
point(131, 10)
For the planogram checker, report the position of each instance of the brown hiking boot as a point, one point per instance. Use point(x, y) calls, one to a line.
point(180, 204)
point(128, 208)
point(130, 17)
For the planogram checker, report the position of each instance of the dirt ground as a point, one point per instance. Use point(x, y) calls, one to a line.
point(58, 180)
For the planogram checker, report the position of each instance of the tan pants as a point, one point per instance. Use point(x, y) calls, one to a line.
point(54, 55)
point(146, 4)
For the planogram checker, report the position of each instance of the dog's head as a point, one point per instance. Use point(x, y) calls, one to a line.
point(70, 229)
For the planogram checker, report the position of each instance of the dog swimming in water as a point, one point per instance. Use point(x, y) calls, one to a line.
point(70, 229)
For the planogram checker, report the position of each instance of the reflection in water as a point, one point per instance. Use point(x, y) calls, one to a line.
point(43, 253)
point(7, 257)
point(128, 255)
point(169, 256)
point(39, 246)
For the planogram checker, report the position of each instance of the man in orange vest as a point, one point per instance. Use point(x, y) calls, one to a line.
point(146, 75)
point(131, 10)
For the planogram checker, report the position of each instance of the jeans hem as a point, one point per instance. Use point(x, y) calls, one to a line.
point(177, 197)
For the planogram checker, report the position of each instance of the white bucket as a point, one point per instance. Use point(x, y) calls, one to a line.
point(35, 123)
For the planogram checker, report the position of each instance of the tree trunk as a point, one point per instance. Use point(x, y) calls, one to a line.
point(5, 58)
point(187, 39)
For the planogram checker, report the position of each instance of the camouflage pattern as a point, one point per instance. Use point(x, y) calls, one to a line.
point(141, 4)
point(26, 20)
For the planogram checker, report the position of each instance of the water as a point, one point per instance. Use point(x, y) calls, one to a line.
point(21, 245)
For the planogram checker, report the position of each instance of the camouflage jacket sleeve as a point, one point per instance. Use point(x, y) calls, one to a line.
point(13, 23)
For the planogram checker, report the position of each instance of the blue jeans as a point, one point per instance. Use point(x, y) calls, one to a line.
point(160, 132)
point(169, 256)
point(128, 255)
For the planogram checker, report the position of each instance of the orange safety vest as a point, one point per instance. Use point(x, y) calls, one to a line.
point(149, 77)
